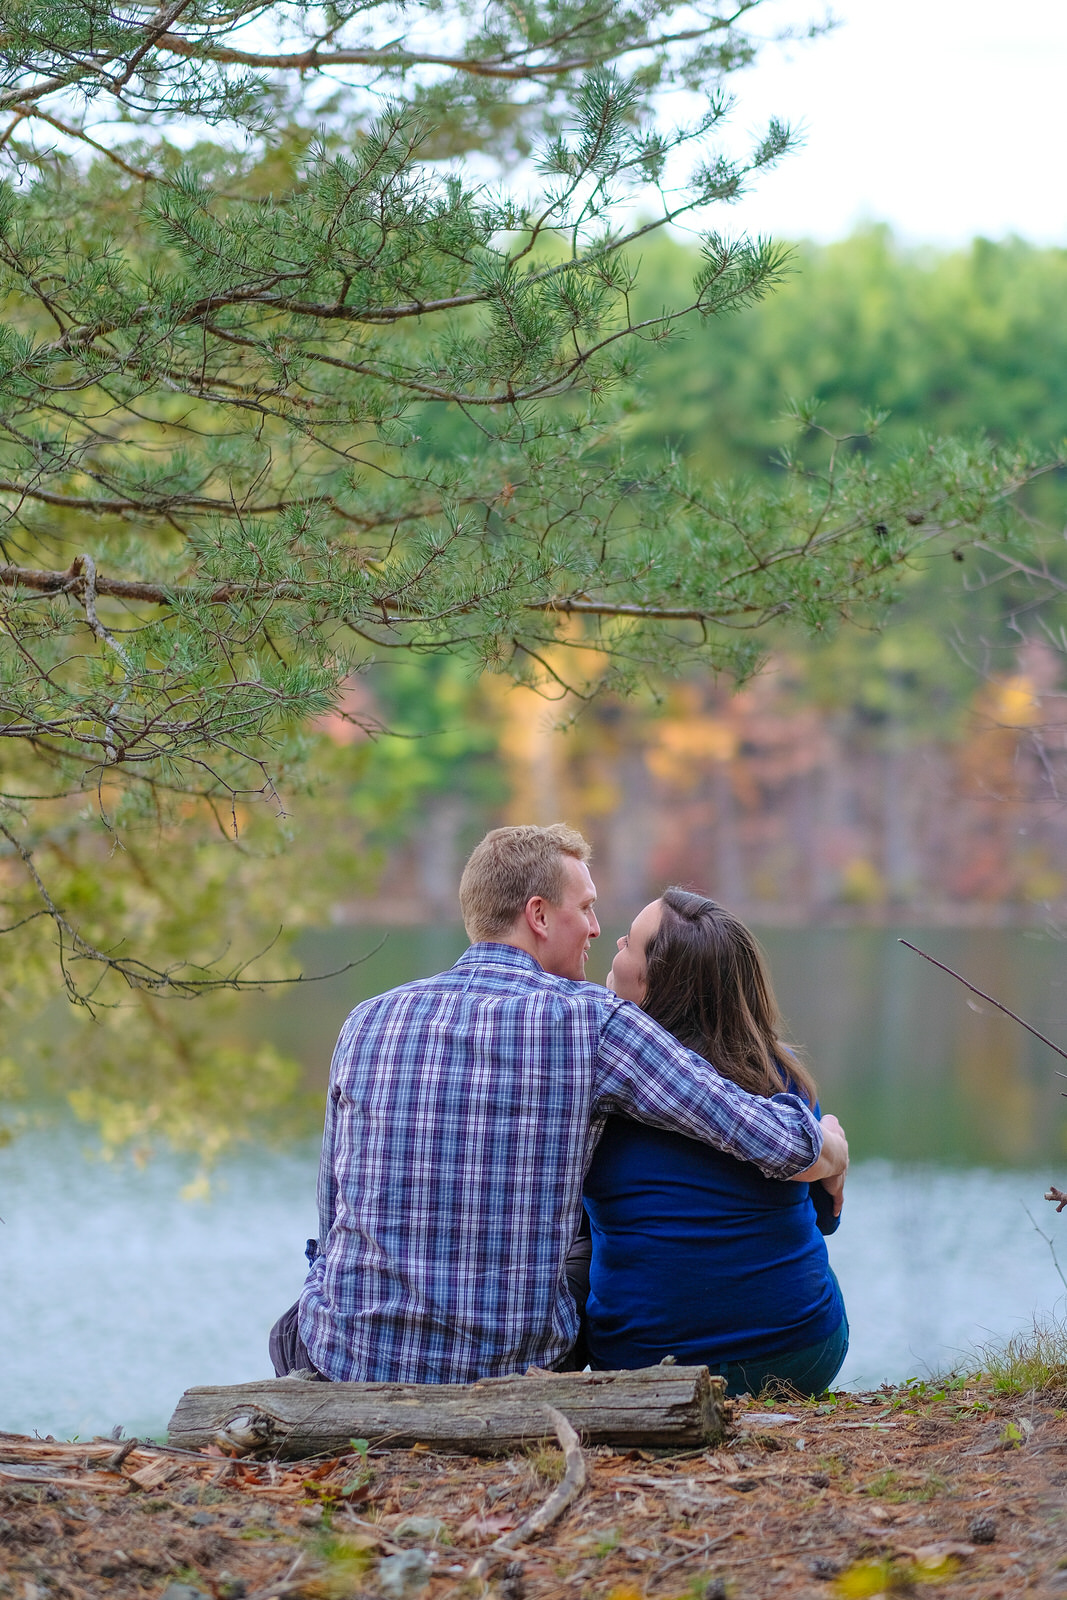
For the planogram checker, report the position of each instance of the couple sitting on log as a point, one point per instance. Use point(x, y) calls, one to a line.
point(476, 1119)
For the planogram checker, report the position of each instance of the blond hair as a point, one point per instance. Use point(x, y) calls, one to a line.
point(510, 867)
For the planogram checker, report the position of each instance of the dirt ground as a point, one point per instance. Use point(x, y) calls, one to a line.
point(896, 1491)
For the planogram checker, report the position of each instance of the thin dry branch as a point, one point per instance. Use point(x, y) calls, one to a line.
point(289, 1584)
point(574, 1481)
point(27, 113)
point(983, 996)
point(1050, 1243)
point(138, 974)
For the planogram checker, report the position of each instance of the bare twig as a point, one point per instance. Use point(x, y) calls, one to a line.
point(287, 1585)
point(83, 583)
point(85, 566)
point(983, 996)
point(1051, 1245)
point(574, 1480)
point(700, 1551)
point(115, 1460)
point(137, 974)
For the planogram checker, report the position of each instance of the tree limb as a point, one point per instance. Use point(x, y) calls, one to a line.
point(315, 60)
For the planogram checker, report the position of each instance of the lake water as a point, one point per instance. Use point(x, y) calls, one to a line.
point(116, 1294)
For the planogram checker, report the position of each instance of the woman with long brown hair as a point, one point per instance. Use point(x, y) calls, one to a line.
point(697, 1255)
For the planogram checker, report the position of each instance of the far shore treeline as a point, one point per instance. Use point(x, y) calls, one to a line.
point(904, 772)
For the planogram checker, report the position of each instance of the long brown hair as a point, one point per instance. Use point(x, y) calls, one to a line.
point(707, 984)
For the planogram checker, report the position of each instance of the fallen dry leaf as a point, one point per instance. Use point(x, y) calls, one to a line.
point(934, 1555)
point(485, 1527)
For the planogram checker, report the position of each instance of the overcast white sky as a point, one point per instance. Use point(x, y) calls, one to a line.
point(944, 118)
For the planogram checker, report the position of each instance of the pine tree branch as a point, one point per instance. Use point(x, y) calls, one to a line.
point(211, 373)
point(391, 607)
point(158, 504)
point(528, 61)
point(183, 978)
point(35, 114)
point(155, 33)
point(501, 67)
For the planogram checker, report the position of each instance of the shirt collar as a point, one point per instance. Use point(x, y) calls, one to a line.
point(488, 952)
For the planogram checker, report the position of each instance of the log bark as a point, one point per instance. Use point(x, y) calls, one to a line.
point(288, 1419)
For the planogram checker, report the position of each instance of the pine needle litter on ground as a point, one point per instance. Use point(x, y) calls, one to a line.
point(951, 1485)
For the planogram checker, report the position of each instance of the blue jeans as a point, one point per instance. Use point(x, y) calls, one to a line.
point(808, 1371)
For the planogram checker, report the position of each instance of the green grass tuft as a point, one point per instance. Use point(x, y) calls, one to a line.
point(1030, 1363)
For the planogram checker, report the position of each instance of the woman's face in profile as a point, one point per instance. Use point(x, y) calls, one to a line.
point(628, 975)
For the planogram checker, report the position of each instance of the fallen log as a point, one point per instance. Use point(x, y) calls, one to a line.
point(289, 1419)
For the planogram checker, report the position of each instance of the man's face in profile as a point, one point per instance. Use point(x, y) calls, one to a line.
point(571, 925)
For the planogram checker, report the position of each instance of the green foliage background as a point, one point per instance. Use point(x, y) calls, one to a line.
point(958, 342)
point(964, 342)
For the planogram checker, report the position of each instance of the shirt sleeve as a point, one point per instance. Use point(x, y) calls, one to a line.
point(327, 1184)
point(823, 1201)
point(646, 1074)
point(326, 1193)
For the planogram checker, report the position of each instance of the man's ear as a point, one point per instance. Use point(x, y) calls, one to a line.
point(534, 912)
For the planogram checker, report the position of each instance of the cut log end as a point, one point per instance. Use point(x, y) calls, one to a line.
point(652, 1408)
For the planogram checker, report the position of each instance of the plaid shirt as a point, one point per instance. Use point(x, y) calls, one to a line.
point(463, 1112)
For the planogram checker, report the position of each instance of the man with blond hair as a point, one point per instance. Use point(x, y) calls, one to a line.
point(462, 1114)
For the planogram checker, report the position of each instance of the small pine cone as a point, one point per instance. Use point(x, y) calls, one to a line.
point(513, 1586)
point(822, 1567)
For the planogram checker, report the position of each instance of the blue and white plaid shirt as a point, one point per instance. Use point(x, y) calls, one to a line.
point(463, 1112)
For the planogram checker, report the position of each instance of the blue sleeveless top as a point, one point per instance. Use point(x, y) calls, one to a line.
point(699, 1256)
